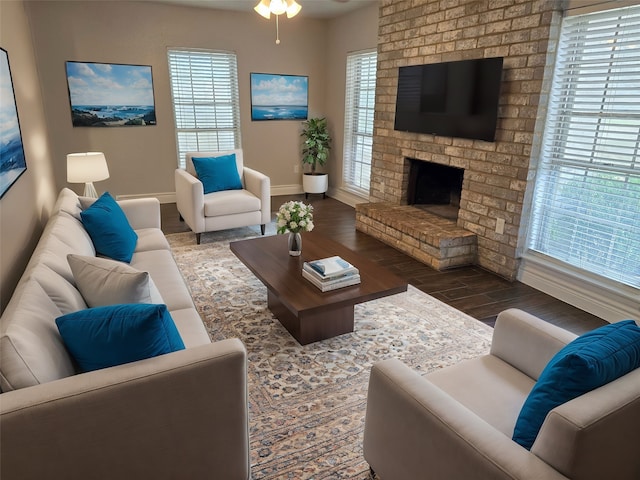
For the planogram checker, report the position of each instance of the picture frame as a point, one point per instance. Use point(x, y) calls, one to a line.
point(279, 97)
point(12, 159)
point(110, 94)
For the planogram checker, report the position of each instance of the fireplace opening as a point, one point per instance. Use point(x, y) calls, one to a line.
point(435, 188)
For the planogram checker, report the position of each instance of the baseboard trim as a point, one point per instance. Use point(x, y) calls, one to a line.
point(166, 197)
point(603, 299)
point(346, 197)
point(293, 189)
point(170, 197)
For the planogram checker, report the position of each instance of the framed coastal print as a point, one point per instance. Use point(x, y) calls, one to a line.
point(12, 161)
point(279, 97)
point(110, 95)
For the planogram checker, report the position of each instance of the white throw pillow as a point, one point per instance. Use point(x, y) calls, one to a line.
point(103, 281)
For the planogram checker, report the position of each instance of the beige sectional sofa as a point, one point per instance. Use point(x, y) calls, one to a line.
point(178, 415)
point(457, 422)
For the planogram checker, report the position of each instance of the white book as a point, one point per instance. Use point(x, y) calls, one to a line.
point(308, 268)
point(332, 266)
point(327, 286)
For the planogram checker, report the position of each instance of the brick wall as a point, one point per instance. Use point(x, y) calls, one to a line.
point(413, 32)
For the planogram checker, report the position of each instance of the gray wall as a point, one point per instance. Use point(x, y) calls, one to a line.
point(26, 205)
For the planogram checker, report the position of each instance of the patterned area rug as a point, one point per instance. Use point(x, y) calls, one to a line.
point(307, 403)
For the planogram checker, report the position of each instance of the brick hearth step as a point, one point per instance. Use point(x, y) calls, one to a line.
point(437, 241)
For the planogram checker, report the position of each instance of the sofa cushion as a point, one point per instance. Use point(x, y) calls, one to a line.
point(230, 202)
point(31, 349)
point(62, 292)
point(218, 173)
point(69, 203)
point(107, 336)
point(103, 281)
point(590, 361)
point(109, 229)
point(164, 271)
point(150, 239)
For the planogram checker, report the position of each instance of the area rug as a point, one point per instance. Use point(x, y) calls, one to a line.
point(307, 403)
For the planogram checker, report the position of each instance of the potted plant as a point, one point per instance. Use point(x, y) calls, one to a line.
point(315, 151)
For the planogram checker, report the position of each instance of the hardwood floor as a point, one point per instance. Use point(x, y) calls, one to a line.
point(473, 290)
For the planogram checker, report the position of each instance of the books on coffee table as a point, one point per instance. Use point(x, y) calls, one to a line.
point(331, 267)
point(331, 273)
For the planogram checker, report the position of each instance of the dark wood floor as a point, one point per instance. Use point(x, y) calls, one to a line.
point(473, 290)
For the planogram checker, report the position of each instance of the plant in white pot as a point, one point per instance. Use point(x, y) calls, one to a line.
point(315, 151)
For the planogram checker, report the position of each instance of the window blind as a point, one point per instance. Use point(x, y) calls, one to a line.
point(204, 87)
point(586, 203)
point(360, 99)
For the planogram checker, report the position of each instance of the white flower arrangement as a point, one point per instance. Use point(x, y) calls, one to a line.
point(294, 217)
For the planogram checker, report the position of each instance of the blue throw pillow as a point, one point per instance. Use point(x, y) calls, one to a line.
point(218, 173)
point(590, 361)
point(106, 336)
point(109, 229)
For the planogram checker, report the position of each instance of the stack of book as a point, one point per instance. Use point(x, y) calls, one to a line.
point(331, 273)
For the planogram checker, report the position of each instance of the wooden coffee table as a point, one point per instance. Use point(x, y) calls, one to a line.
point(306, 312)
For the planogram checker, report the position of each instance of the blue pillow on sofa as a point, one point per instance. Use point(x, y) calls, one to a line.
point(218, 173)
point(109, 229)
point(106, 336)
point(590, 361)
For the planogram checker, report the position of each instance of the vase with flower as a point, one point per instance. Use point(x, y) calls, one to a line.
point(294, 218)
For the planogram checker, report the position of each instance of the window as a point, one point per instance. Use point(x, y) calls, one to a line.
point(358, 122)
point(204, 86)
point(586, 203)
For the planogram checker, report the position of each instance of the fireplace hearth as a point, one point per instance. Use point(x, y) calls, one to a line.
point(435, 188)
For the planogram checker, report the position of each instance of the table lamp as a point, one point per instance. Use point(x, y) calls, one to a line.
point(87, 168)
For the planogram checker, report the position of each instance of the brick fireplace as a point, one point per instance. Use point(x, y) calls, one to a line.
point(495, 173)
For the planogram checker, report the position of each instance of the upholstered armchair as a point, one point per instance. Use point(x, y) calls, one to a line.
point(249, 203)
point(458, 422)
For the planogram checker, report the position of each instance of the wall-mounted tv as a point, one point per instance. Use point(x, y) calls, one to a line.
point(454, 99)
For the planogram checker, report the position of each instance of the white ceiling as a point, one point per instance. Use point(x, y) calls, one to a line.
point(310, 8)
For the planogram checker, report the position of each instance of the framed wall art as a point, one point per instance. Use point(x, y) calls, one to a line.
point(279, 97)
point(12, 160)
point(110, 95)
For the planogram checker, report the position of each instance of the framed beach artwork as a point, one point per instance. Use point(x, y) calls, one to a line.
point(279, 97)
point(12, 161)
point(110, 95)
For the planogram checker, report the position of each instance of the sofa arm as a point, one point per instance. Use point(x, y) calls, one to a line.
point(190, 199)
point(527, 342)
point(415, 430)
point(180, 415)
point(142, 212)
point(260, 185)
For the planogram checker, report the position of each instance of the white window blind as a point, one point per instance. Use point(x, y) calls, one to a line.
point(586, 204)
point(204, 86)
point(358, 122)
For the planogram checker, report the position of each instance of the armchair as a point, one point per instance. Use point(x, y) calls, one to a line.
point(224, 209)
point(458, 422)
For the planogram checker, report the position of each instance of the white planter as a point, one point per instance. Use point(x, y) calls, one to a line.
point(318, 183)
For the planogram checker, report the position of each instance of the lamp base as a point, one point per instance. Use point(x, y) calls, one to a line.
point(90, 190)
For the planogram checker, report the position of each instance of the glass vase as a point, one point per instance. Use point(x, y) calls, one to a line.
point(295, 244)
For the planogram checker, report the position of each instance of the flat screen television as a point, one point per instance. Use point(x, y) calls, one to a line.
point(454, 99)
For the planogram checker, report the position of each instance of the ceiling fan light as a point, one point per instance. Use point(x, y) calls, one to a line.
point(293, 8)
point(263, 9)
point(278, 7)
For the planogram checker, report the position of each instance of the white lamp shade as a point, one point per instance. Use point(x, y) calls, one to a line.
point(278, 7)
point(293, 8)
point(263, 9)
point(86, 167)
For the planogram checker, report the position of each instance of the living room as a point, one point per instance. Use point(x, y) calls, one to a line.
point(40, 36)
